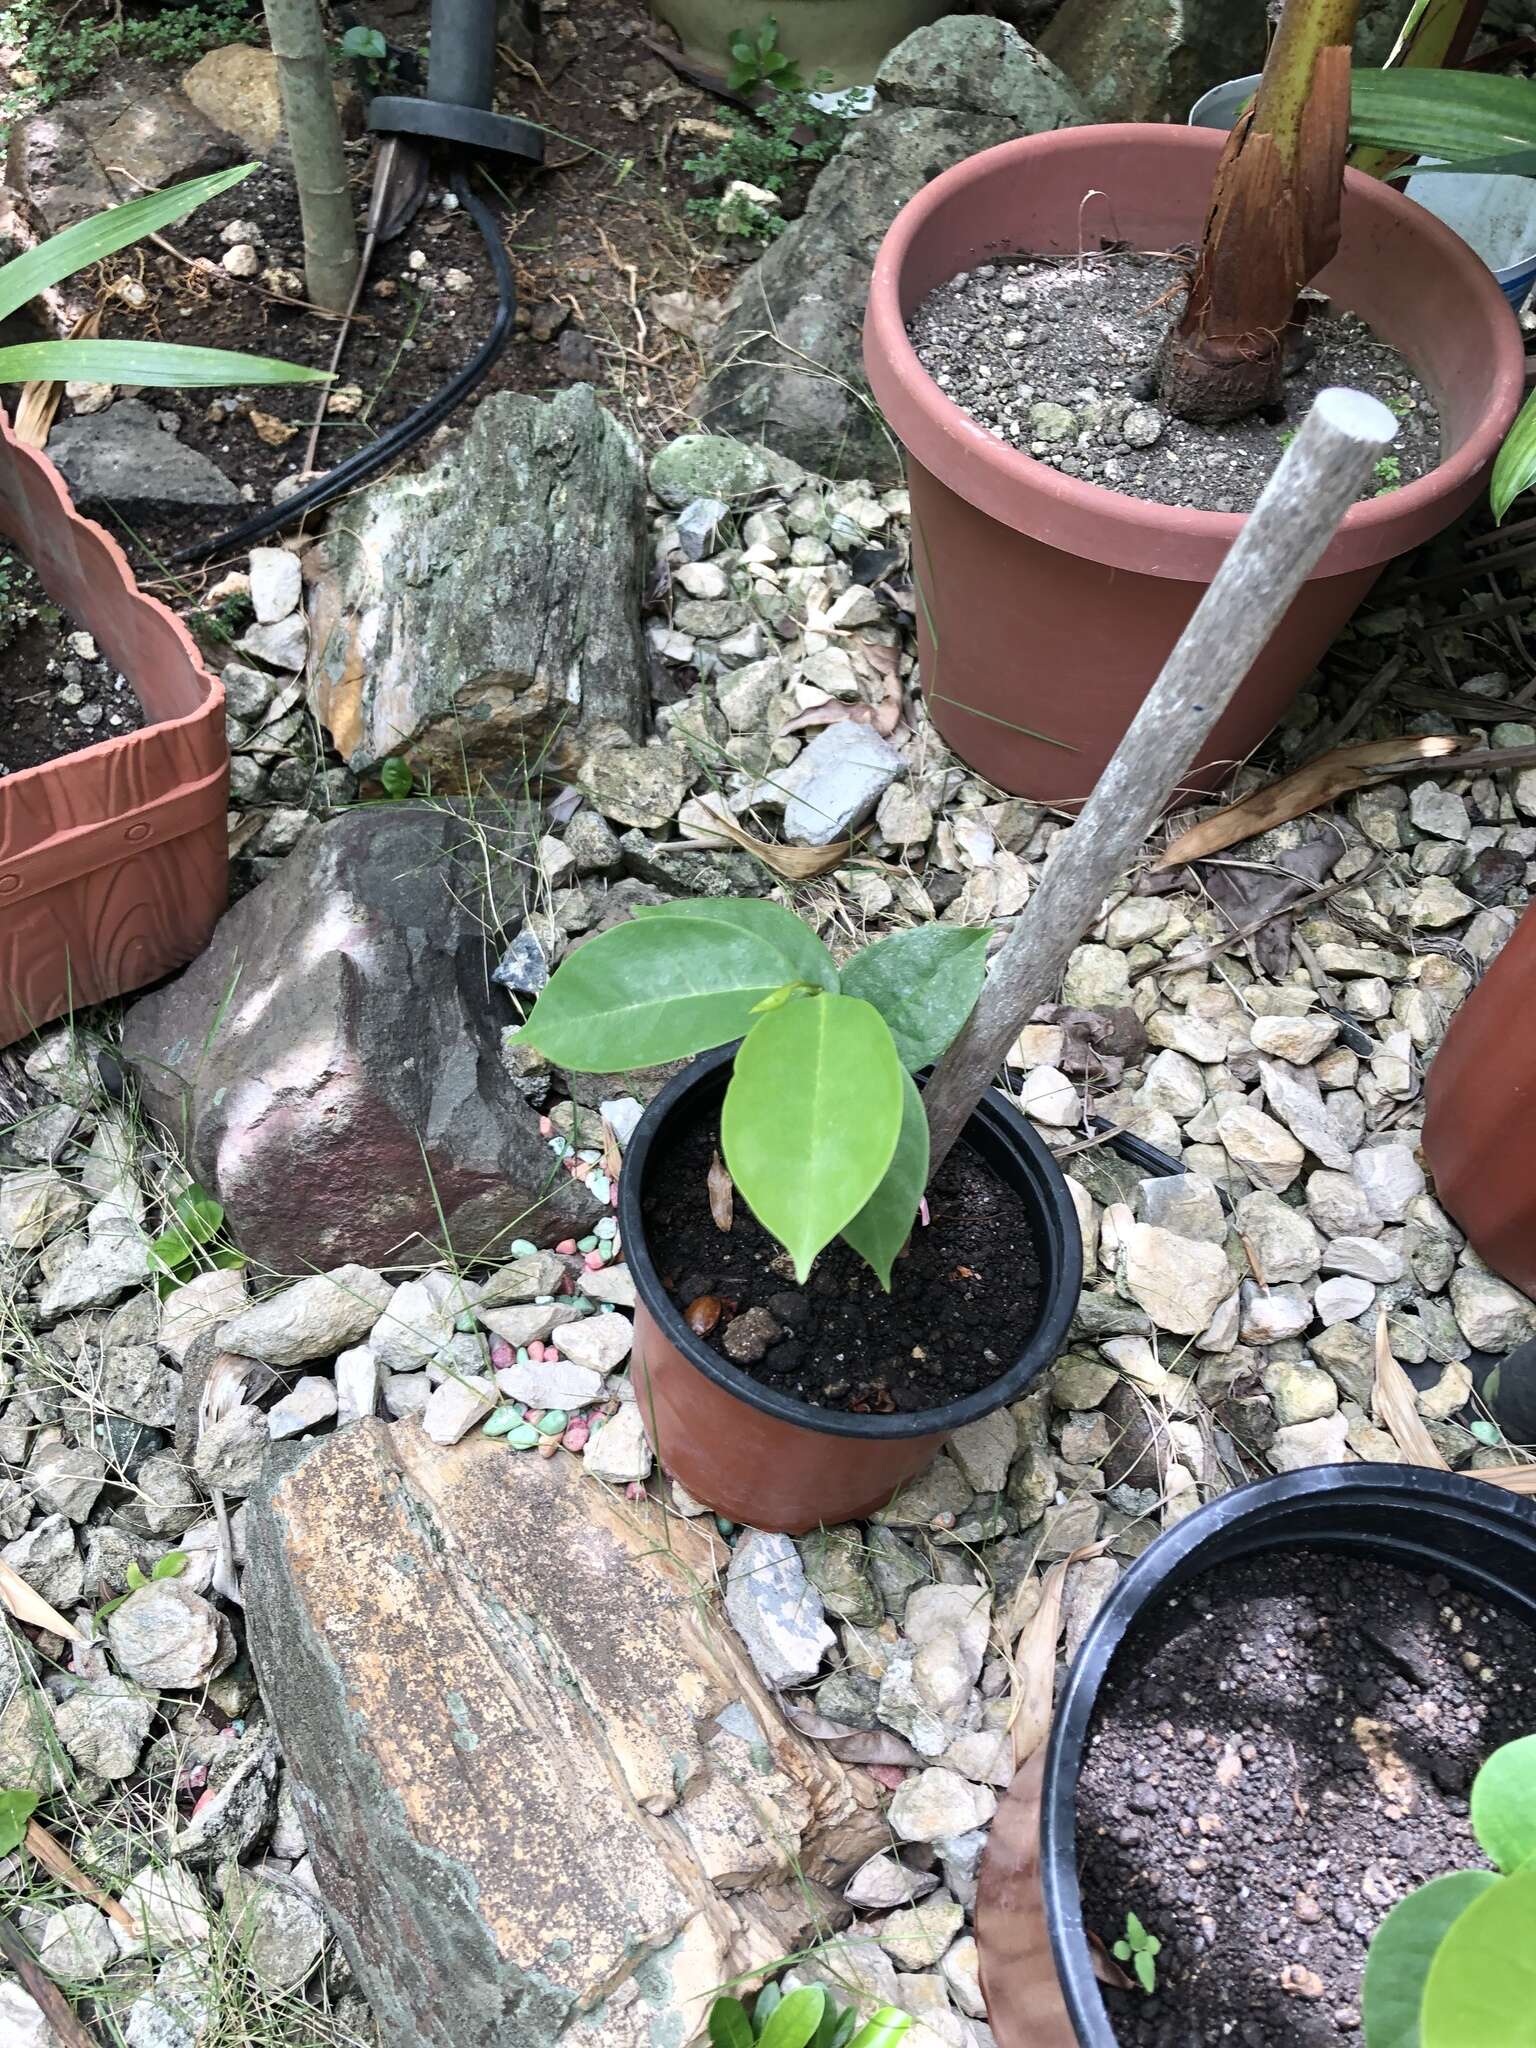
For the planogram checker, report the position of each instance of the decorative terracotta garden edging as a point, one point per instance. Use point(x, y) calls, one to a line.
point(113, 861)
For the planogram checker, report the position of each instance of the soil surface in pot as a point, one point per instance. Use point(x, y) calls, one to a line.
point(58, 693)
point(1052, 355)
point(1281, 1751)
point(964, 1296)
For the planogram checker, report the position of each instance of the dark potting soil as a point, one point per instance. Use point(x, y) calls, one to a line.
point(57, 693)
point(1051, 355)
point(1281, 1752)
point(965, 1294)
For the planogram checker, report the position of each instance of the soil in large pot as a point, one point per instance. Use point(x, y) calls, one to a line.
point(964, 1297)
point(1053, 355)
point(60, 693)
point(1281, 1751)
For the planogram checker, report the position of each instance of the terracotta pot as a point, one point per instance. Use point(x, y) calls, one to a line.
point(113, 860)
point(770, 1461)
point(1480, 1131)
point(1051, 603)
point(1036, 1966)
point(849, 38)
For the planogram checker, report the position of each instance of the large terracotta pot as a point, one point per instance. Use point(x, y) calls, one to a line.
point(1036, 1966)
point(1051, 603)
point(1480, 1131)
point(773, 1462)
point(113, 860)
point(848, 38)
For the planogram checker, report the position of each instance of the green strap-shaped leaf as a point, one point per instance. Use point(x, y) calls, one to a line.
point(1481, 1991)
point(1460, 116)
point(885, 1222)
point(653, 989)
point(795, 2019)
point(811, 1118)
point(1515, 469)
point(805, 957)
point(104, 234)
point(1402, 1949)
point(729, 2026)
point(1504, 1806)
point(886, 2028)
point(924, 982)
point(146, 362)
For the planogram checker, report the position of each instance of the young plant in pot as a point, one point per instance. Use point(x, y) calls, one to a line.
point(1088, 416)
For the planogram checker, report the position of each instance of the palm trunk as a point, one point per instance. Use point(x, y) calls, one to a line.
point(319, 162)
point(1273, 223)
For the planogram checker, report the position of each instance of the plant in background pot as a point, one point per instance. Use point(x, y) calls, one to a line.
point(807, 2018)
point(847, 39)
point(1054, 578)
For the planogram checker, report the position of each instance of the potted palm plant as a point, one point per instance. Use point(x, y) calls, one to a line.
point(113, 861)
point(1049, 600)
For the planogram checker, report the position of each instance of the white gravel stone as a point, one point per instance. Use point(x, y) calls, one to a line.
point(1297, 1039)
point(602, 1342)
point(1322, 1442)
point(1280, 1238)
point(935, 1803)
point(1267, 1153)
point(775, 1609)
point(202, 1303)
point(1179, 1281)
point(276, 584)
point(984, 1450)
point(165, 1636)
point(1096, 976)
point(1342, 1298)
point(1391, 1178)
point(1337, 1204)
point(1492, 1314)
point(1050, 1098)
point(884, 1883)
point(313, 1318)
point(619, 1452)
point(556, 1383)
point(1270, 1315)
point(357, 1384)
point(1294, 1096)
point(456, 1405)
point(76, 1945)
point(309, 1403)
point(1368, 1258)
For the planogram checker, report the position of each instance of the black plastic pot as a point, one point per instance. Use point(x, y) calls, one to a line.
point(1398, 1514)
point(773, 1462)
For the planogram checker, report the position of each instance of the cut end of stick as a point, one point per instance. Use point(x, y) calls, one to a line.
point(1357, 414)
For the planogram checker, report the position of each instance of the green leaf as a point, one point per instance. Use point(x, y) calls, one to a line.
point(783, 995)
point(169, 1251)
point(834, 2021)
point(729, 2026)
point(199, 1215)
point(742, 46)
point(764, 2007)
point(1481, 1991)
point(1134, 1928)
point(171, 1566)
point(104, 234)
point(842, 2033)
point(1504, 1806)
point(364, 42)
point(227, 1259)
point(16, 1809)
point(135, 1576)
point(654, 989)
point(1515, 469)
point(805, 957)
point(1122, 1951)
point(885, 1222)
point(795, 2019)
point(811, 1119)
point(767, 34)
point(397, 776)
point(1462, 116)
point(883, 2031)
point(924, 982)
point(146, 362)
point(1402, 1949)
point(1146, 1970)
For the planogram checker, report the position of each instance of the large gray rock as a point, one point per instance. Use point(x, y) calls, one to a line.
point(473, 611)
point(788, 357)
point(331, 1062)
point(124, 137)
point(123, 457)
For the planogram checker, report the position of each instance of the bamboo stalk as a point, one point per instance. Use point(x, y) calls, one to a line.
point(1319, 477)
point(319, 161)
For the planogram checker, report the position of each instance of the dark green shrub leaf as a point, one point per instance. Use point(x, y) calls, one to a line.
point(795, 2019)
point(811, 1119)
point(885, 1222)
point(843, 2032)
point(199, 1215)
point(396, 776)
point(1481, 1991)
point(764, 2006)
point(1402, 1949)
point(804, 957)
point(924, 982)
point(1504, 1806)
point(729, 2026)
point(169, 1250)
point(16, 1809)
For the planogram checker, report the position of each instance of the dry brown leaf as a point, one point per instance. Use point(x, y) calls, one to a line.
point(722, 1193)
point(1319, 782)
point(269, 428)
point(1106, 1969)
point(790, 863)
point(1513, 1478)
point(53, 1856)
point(1396, 1409)
point(32, 1608)
point(613, 1151)
point(1034, 1662)
point(833, 712)
point(39, 400)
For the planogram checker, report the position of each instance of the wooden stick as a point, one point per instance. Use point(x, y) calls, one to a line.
point(1319, 477)
point(314, 140)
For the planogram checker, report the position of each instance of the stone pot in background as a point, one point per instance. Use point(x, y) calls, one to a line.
point(1036, 1965)
point(1050, 603)
point(848, 38)
point(114, 859)
point(776, 1463)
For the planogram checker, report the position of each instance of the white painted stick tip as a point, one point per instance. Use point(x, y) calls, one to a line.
point(1357, 414)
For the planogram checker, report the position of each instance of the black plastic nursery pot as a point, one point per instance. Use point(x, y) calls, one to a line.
point(1043, 1993)
point(771, 1461)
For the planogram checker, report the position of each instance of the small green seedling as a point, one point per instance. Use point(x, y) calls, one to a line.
point(807, 2018)
point(171, 1566)
point(397, 777)
point(366, 43)
point(183, 1248)
point(1140, 1950)
point(1388, 474)
point(756, 59)
point(822, 1127)
point(1453, 1965)
point(16, 1809)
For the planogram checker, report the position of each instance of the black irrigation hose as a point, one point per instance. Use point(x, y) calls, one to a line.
point(405, 433)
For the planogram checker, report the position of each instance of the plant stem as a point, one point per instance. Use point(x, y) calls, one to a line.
point(319, 162)
point(1272, 225)
point(1320, 476)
